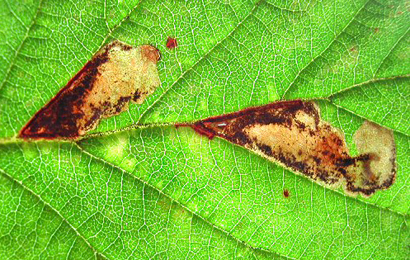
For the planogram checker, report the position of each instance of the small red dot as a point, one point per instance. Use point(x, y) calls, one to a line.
point(171, 43)
point(286, 193)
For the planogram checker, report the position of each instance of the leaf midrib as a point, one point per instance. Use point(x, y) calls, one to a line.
point(173, 84)
point(101, 160)
point(181, 77)
point(329, 97)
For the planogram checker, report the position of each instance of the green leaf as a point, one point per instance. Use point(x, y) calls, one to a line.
point(383, 101)
point(140, 188)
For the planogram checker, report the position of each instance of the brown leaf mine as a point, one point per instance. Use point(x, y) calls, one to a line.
point(292, 134)
point(115, 75)
point(379, 171)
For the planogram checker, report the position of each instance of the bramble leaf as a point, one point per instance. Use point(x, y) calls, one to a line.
point(139, 188)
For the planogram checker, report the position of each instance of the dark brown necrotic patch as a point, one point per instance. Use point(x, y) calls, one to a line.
point(102, 88)
point(292, 134)
point(58, 118)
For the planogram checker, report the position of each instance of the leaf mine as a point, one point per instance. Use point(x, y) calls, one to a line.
point(292, 134)
point(117, 74)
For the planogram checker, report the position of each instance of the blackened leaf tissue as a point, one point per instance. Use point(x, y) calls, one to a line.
point(292, 134)
point(117, 74)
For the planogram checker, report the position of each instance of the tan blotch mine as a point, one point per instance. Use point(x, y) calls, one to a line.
point(292, 134)
point(115, 75)
point(379, 171)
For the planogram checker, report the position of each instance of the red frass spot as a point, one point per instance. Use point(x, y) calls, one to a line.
point(172, 43)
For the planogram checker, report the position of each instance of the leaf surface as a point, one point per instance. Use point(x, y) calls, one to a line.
point(140, 188)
